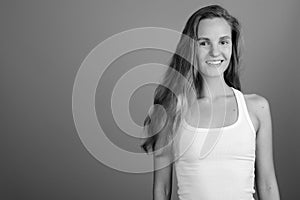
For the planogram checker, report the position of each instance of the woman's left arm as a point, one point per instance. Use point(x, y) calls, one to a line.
point(265, 172)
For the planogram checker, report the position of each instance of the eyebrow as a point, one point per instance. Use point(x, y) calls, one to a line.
point(222, 38)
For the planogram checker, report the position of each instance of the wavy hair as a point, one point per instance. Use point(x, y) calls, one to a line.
point(182, 82)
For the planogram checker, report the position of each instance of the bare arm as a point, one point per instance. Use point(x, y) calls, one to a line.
point(162, 177)
point(265, 173)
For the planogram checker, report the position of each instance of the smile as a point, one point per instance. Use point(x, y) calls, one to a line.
point(214, 62)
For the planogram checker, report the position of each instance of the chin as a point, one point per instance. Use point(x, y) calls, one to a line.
point(213, 72)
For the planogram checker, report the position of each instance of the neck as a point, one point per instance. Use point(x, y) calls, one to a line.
point(214, 87)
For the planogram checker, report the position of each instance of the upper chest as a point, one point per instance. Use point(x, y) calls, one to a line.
point(221, 113)
point(216, 114)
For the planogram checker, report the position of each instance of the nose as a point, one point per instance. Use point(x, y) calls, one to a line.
point(214, 51)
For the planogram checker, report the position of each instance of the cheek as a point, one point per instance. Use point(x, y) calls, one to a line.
point(228, 52)
point(202, 54)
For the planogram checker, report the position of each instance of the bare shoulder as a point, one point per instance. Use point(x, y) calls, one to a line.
point(256, 103)
point(258, 107)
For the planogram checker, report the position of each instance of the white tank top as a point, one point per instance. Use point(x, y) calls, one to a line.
point(223, 172)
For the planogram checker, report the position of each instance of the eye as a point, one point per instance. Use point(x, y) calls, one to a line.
point(203, 43)
point(224, 42)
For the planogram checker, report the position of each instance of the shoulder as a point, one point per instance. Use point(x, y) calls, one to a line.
point(255, 99)
point(258, 106)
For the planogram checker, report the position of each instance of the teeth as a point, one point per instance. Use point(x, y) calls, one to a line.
point(215, 62)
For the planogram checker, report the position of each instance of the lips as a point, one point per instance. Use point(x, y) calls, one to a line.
point(214, 62)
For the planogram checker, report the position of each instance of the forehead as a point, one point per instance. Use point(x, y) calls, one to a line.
point(215, 27)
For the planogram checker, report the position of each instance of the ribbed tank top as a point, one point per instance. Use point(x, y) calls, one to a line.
point(226, 171)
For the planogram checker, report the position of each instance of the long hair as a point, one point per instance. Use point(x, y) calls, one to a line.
point(182, 82)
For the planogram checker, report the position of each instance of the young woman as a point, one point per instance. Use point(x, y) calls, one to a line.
point(221, 139)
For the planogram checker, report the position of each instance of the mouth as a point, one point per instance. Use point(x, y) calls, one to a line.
point(214, 62)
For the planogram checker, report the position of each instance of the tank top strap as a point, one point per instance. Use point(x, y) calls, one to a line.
point(242, 107)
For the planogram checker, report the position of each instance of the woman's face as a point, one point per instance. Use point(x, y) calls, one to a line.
point(214, 46)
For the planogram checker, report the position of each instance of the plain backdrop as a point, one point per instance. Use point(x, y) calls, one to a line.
point(42, 46)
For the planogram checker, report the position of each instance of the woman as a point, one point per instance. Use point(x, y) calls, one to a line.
point(221, 139)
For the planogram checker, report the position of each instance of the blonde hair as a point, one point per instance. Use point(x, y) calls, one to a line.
point(182, 83)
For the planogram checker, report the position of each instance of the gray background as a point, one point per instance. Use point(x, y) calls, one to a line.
point(43, 44)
